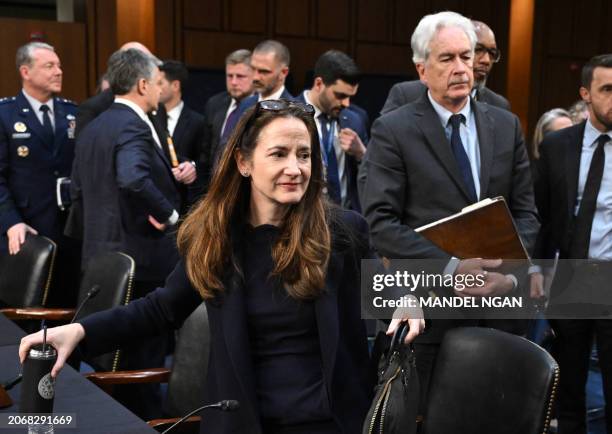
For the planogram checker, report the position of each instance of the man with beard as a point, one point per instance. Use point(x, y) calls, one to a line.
point(270, 63)
point(574, 196)
point(221, 112)
point(342, 133)
point(486, 54)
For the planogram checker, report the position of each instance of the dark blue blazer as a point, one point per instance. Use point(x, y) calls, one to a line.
point(249, 102)
point(350, 119)
point(120, 177)
point(29, 166)
point(230, 373)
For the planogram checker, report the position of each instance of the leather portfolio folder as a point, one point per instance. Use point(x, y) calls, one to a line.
point(482, 230)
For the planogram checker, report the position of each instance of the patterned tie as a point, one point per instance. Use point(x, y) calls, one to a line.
point(230, 123)
point(47, 127)
point(461, 156)
point(584, 220)
point(333, 179)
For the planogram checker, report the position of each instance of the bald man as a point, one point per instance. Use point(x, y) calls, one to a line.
point(486, 54)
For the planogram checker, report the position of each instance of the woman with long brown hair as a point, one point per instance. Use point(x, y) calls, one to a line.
point(278, 269)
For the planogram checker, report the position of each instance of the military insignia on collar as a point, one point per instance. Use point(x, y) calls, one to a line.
point(20, 127)
point(70, 117)
point(25, 109)
point(23, 151)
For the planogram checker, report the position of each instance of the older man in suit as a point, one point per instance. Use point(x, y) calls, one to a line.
point(126, 192)
point(222, 111)
point(574, 196)
point(431, 158)
point(486, 54)
point(36, 150)
point(342, 132)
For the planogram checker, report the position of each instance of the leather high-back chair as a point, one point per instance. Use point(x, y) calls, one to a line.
point(189, 365)
point(489, 381)
point(25, 277)
point(185, 380)
point(113, 274)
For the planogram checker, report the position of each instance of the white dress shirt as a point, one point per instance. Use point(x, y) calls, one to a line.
point(173, 116)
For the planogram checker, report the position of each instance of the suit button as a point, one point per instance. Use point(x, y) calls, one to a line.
point(56, 173)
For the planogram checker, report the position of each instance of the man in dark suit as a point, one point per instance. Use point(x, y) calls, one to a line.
point(429, 159)
point(573, 190)
point(270, 63)
point(221, 112)
point(341, 132)
point(36, 150)
point(486, 54)
point(185, 126)
point(126, 192)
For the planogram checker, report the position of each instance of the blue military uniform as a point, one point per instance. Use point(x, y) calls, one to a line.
point(30, 164)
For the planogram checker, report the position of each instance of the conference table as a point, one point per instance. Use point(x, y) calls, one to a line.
point(95, 411)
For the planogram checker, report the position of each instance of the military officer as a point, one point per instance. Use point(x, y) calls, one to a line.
point(36, 149)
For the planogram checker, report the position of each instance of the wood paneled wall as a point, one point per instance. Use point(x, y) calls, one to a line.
point(566, 35)
point(375, 32)
point(69, 40)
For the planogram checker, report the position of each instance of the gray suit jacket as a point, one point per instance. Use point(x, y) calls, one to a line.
point(410, 177)
point(409, 91)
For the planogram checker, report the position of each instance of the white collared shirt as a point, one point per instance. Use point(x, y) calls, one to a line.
point(173, 116)
point(340, 156)
point(142, 115)
point(36, 104)
point(275, 95)
point(468, 133)
point(600, 246)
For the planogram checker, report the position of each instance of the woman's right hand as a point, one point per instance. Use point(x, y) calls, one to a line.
point(64, 339)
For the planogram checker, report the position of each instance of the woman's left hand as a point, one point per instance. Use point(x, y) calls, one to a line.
point(415, 325)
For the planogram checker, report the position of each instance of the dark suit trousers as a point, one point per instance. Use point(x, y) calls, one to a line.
point(572, 349)
point(144, 400)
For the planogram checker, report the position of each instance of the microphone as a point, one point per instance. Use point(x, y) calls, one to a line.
point(225, 405)
point(91, 294)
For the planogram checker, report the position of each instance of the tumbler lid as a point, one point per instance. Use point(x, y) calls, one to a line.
point(36, 352)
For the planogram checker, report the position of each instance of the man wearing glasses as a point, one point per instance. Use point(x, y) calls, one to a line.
point(486, 54)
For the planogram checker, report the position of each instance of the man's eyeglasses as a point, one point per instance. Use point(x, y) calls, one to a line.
point(275, 105)
point(494, 53)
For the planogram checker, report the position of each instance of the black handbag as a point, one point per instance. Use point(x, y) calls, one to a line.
point(396, 401)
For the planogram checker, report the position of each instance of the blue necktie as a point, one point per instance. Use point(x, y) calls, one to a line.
point(333, 179)
point(47, 127)
point(461, 156)
point(230, 124)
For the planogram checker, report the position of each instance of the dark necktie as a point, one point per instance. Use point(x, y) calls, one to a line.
point(333, 178)
point(47, 127)
point(461, 156)
point(584, 220)
point(230, 123)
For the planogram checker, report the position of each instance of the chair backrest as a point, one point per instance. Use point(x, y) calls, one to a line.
point(113, 273)
point(25, 277)
point(189, 367)
point(486, 381)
